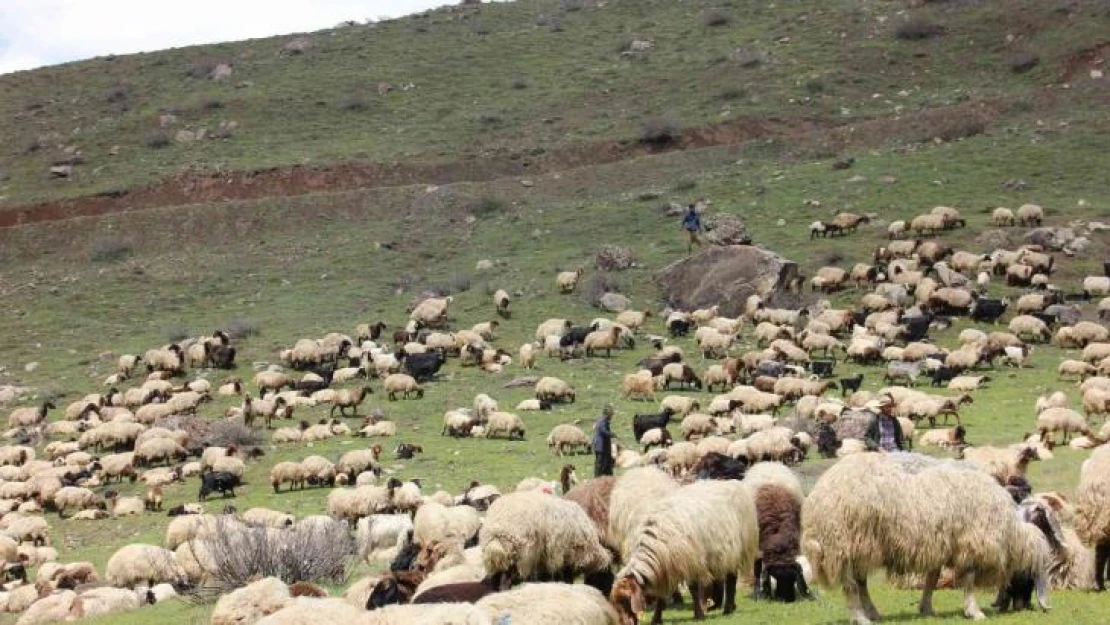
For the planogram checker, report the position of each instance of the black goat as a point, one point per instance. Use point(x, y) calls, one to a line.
point(405, 451)
point(988, 310)
point(942, 376)
point(423, 367)
point(643, 422)
point(850, 384)
point(679, 327)
point(218, 482)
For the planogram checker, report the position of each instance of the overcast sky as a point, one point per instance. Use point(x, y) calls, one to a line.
point(34, 33)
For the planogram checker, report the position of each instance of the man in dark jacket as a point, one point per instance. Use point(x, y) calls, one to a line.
point(603, 443)
point(691, 223)
point(884, 433)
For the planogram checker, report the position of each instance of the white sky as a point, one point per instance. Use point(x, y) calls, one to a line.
point(34, 33)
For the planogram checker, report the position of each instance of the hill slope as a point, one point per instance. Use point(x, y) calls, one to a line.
point(513, 82)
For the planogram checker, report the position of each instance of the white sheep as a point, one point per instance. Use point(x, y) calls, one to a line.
point(138, 564)
point(675, 544)
point(567, 438)
point(251, 602)
point(402, 384)
point(547, 604)
point(1062, 419)
point(567, 281)
point(1002, 217)
point(505, 423)
point(1030, 214)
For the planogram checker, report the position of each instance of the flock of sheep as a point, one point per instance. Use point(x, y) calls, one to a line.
point(706, 495)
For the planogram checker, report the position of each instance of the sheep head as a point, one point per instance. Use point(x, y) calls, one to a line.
point(627, 597)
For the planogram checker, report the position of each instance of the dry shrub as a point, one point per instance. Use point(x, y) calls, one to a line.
point(715, 17)
point(659, 132)
point(178, 333)
point(228, 433)
point(953, 128)
point(615, 258)
point(157, 139)
point(240, 328)
point(1022, 62)
point(456, 283)
point(917, 29)
point(355, 103)
point(748, 58)
point(201, 67)
point(487, 207)
point(109, 249)
point(303, 553)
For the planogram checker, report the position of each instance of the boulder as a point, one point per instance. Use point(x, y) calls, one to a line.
point(222, 71)
point(1076, 246)
point(725, 229)
point(61, 171)
point(1052, 239)
point(614, 302)
point(726, 276)
point(300, 45)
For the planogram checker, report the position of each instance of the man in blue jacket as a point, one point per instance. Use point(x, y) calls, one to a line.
point(603, 443)
point(691, 223)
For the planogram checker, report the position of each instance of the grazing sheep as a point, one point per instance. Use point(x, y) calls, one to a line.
point(527, 356)
point(1002, 217)
point(913, 514)
point(1093, 509)
point(549, 604)
point(138, 564)
point(567, 438)
point(505, 423)
point(674, 544)
point(530, 535)
point(29, 417)
point(567, 281)
point(640, 385)
point(1030, 215)
point(402, 384)
point(251, 602)
point(554, 390)
point(1062, 419)
point(436, 522)
point(1000, 464)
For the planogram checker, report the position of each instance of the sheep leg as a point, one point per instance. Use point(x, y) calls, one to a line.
point(657, 618)
point(698, 591)
point(865, 597)
point(855, 602)
point(1102, 557)
point(730, 594)
point(757, 592)
point(926, 605)
point(971, 608)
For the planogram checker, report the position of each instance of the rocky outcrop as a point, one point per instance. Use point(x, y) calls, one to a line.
point(725, 276)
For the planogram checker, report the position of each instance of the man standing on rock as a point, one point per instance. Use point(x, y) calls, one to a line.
point(603, 443)
point(691, 223)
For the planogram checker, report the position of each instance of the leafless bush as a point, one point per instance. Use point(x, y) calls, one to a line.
point(598, 285)
point(227, 433)
point(486, 207)
point(202, 67)
point(659, 132)
point(178, 333)
point(832, 258)
point(355, 103)
point(240, 328)
point(615, 258)
point(957, 127)
point(157, 139)
point(1022, 62)
point(715, 17)
point(302, 553)
point(211, 104)
point(109, 249)
point(917, 29)
point(457, 283)
point(748, 58)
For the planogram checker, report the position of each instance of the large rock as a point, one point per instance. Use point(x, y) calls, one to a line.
point(1052, 239)
point(614, 302)
point(726, 276)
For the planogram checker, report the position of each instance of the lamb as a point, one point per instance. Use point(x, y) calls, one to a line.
point(402, 384)
point(527, 356)
point(567, 281)
point(567, 438)
point(681, 373)
point(505, 423)
point(1030, 215)
point(947, 438)
point(554, 390)
point(859, 513)
point(1000, 464)
point(674, 544)
point(1062, 419)
point(126, 364)
point(530, 535)
point(143, 564)
point(1093, 510)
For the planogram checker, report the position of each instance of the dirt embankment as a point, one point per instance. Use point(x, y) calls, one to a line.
point(833, 133)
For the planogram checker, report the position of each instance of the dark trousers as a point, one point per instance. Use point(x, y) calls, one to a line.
point(603, 464)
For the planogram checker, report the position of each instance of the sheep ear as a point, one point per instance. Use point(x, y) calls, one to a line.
point(637, 600)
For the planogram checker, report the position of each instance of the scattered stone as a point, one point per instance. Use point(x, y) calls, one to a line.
point(300, 45)
point(725, 229)
point(30, 367)
point(166, 120)
point(484, 265)
point(614, 258)
point(1014, 184)
point(1096, 74)
point(528, 380)
point(113, 151)
point(223, 71)
point(1077, 246)
point(185, 136)
point(61, 171)
point(1097, 226)
point(845, 162)
point(9, 393)
point(527, 183)
point(1053, 239)
point(888, 179)
point(614, 302)
point(857, 178)
point(780, 222)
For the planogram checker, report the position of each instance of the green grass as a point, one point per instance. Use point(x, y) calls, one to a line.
point(72, 315)
point(821, 60)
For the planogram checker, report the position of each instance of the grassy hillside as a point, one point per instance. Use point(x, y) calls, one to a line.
point(520, 80)
point(76, 293)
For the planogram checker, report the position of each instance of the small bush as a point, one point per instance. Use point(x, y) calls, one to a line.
point(489, 119)
point(226, 433)
point(109, 249)
point(570, 6)
point(1022, 62)
point(748, 58)
point(178, 333)
point(211, 104)
point(648, 196)
point(34, 145)
point(732, 93)
point(598, 285)
point(814, 86)
point(240, 328)
point(201, 68)
point(116, 95)
point(917, 29)
point(659, 132)
point(355, 103)
point(518, 84)
point(157, 139)
point(457, 283)
point(486, 207)
point(715, 17)
point(686, 184)
point(955, 128)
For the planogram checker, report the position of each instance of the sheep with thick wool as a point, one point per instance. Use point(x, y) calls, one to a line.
point(1063, 420)
point(140, 564)
point(568, 438)
point(700, 533)
point(554, 390)
point(505, 424)
point(778, 502)
point(530, 535)
point(550, 604)
point(1093, 509)
point(436, 522)
point(251, 603)
point(870, 511)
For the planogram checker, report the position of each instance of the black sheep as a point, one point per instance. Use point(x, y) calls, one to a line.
point(405, 451)
point(942, 376)
point(780, 529)
point(643, 422)
point(679, 327)
point(655, 364)
point(717, 466)
point(423, 367)
point(218, 482)
point(850, 384)
point(988, 310)
point(463, 592)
